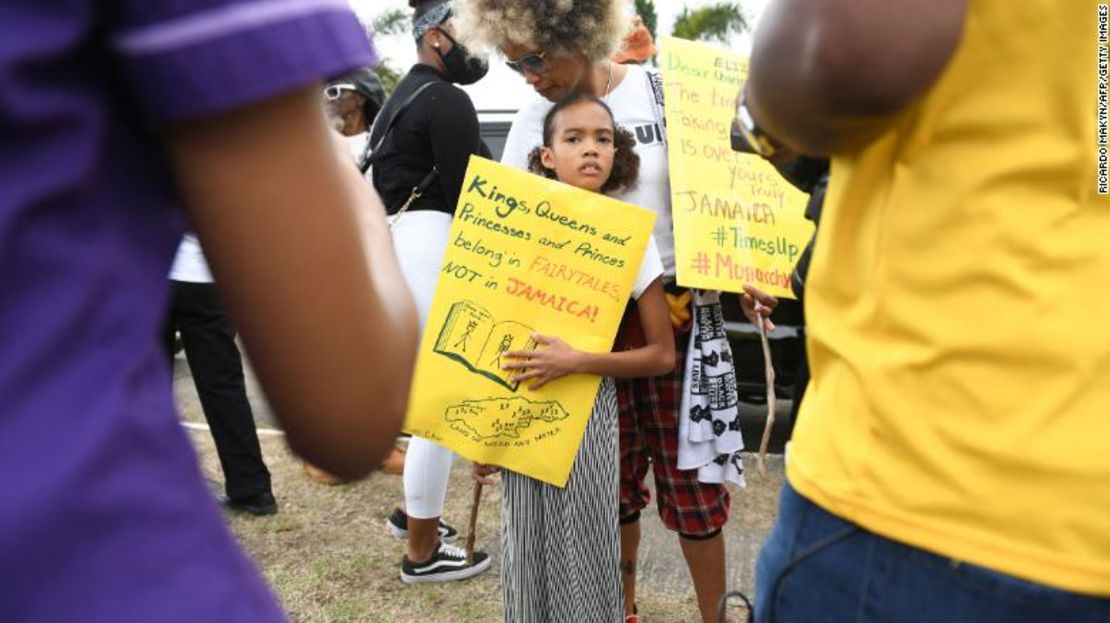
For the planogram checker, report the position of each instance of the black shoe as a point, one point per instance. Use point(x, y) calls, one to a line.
point(398, 524)
point(258, 505)
point(447, 564)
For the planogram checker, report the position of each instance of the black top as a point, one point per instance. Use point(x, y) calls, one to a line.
point(439, 129)
point(810, 175)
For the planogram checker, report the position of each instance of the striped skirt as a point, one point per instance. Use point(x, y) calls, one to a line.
point(561, 547)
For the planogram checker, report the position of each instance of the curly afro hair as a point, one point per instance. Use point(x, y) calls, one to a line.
point(626, 162)
point(593, 28)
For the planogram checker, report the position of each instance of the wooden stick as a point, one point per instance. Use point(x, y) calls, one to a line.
point(769, 368)
point(473, 525)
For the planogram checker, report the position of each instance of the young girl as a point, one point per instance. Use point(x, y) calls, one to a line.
point(561, 547)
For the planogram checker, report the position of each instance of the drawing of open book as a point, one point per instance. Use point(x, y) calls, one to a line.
point(471, 337)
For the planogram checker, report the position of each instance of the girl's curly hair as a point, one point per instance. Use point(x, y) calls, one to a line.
point(590, 27)
point(626, 162)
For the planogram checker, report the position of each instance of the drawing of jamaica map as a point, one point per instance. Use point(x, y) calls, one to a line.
point(503, 417)
point(471, 337)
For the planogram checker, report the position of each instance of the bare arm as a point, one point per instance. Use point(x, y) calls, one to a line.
point(656, 357)
point(299, 244)
point(827, 75)
point(557, 359)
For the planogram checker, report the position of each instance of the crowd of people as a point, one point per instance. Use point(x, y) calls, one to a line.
point(949, 459)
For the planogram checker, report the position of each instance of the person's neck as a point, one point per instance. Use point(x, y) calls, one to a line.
point(603, 78)
point(431, 63)
point(353, 124)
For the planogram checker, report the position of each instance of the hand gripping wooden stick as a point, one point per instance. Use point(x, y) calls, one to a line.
point(473, 525)
point(770, 372)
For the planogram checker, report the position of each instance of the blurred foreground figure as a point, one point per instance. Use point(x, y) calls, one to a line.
point(950, 460)
point(111, 112)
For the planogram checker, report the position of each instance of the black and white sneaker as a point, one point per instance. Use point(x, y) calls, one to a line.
point(447, 564)
point(398, 524)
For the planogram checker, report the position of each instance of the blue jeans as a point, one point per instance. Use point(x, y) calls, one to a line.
point(816, 567)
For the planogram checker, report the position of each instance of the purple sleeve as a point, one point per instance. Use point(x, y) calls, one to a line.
point(192, 58)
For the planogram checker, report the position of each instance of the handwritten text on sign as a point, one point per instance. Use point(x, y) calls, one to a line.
point(526, 255)
point(736, 220)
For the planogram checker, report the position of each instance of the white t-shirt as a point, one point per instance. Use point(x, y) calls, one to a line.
point(357, 144)
point(634, 107)
point(651, 268)
point(189, 264)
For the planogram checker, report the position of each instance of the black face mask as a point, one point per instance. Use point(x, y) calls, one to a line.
point(462, 68)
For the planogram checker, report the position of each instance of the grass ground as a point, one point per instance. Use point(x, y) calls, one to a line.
point(329, 557)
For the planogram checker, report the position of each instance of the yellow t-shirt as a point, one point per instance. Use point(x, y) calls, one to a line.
point(959, 312)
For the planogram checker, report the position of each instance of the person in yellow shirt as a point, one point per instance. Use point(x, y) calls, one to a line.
point(951, 460)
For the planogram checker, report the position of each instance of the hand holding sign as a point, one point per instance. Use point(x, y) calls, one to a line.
point(553, 360)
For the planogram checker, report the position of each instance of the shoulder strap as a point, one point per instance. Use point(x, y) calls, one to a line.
point(375, 150)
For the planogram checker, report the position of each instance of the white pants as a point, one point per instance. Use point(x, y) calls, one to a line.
point(421, 239)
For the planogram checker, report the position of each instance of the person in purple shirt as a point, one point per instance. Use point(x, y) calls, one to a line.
point(119, 118)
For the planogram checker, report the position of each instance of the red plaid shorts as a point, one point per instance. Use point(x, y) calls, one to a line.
point(648, 415)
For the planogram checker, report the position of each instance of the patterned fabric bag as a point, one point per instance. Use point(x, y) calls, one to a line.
point(709, 438)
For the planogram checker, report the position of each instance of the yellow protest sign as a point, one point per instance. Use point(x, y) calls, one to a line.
point(526, 255)
point(736, 220)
